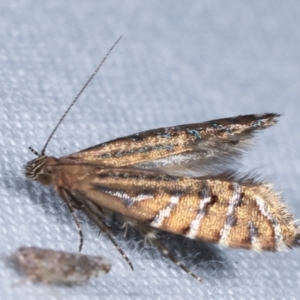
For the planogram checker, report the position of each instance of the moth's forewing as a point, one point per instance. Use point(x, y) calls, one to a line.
point(184, 146)
point(236, 214)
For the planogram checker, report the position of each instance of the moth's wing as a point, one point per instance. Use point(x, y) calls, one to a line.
point(245, 213)
point(180, 149)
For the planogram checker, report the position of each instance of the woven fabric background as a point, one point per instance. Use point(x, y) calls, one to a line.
point(178, 62)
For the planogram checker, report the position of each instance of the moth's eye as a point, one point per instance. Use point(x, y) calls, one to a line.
point(44, 179)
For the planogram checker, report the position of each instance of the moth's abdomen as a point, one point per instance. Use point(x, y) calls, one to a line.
point(232, 214)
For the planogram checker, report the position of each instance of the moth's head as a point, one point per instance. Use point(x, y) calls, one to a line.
point(40, 169)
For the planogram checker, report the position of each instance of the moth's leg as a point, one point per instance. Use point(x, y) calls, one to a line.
point(150, 236)
point(69, 201)
point(74, 203)
point(106, 216)
point(93, 213)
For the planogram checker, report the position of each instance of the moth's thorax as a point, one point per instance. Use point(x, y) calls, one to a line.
point(41, 169)
point(67, 174)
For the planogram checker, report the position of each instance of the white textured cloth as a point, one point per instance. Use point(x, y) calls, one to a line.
point(178, 62)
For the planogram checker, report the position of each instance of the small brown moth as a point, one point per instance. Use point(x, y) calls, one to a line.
point(177, 179)
point(59, 267)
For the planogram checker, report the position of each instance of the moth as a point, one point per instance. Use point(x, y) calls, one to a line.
point(59, 267)
point(179, 179)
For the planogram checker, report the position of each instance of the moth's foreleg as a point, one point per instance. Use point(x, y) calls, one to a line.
point(75, 204)
point(92, 212)
point(150, 237)
point(70, 201)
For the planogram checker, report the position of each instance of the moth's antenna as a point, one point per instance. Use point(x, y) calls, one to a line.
point(76, 98)
point(33, 151)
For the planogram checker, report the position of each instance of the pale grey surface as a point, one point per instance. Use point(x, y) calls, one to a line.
point(178, 62)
